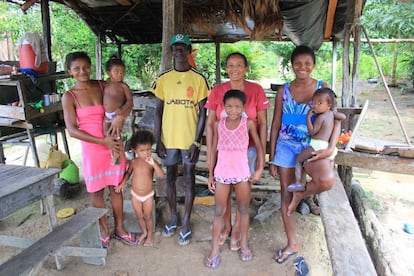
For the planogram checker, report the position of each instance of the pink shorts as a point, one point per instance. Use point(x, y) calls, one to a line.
point(142, 198)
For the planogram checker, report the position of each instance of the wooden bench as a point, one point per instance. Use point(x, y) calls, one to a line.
point(347, 249)
point(84, 224)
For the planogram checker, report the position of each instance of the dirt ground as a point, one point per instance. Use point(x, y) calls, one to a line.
point(390, 194)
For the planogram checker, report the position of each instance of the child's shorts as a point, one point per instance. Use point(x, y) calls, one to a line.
point(286, 153)
point(175, 156)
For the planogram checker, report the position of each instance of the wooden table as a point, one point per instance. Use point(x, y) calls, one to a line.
point(20, 186)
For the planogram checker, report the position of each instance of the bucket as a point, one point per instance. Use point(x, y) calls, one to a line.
point(27, 59)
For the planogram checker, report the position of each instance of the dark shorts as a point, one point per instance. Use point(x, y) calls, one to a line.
point(175, 156)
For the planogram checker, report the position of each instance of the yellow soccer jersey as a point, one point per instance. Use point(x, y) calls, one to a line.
point(181, 93)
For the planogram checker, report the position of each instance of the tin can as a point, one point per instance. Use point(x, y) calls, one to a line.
point(46, 100)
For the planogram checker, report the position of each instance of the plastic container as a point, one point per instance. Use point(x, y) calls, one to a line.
point(27, 59)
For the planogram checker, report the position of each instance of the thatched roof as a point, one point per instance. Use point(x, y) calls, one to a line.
point(140, 21)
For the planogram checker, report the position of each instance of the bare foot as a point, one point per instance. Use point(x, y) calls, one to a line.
point(141, 238)
point(296, 198)
point(149, 242)
point(223, 236)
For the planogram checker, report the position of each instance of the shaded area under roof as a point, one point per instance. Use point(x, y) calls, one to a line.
point(140, 21)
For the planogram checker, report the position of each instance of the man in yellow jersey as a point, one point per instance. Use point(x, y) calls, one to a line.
point(179, 123)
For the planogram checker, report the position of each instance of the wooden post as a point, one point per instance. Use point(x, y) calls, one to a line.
point(334, 63)
point(355, 64)
point(345, 67)
point(218, 62)
point(44, 4)
point(98, 58)
point(172, 21)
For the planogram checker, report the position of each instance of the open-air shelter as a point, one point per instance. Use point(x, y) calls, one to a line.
point(309, 22)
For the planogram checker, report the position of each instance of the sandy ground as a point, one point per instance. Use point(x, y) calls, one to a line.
point(391, 196)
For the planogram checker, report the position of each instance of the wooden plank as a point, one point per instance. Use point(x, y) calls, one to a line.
point(330, 16)
point(356, 128)
point(21, 186)
point(377, 162)
point(28, 259)
point(347, 250)
point(17, 242)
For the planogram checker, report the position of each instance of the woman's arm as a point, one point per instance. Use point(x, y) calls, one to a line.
point(262, 128)
point(260, 152)
point(69, 113)
point(275, 128)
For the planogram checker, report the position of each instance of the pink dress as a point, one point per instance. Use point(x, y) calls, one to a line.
point(232, 165)
point(96, 159)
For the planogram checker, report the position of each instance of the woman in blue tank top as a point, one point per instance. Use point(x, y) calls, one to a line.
point(289, 136)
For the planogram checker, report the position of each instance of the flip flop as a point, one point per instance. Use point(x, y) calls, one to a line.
point(246, 255)
point(234, 245)
point(184, 239)
point(126, 239)
point(105, 242)
point(169, 230)
point(281, 253)
point(301, 266)
point(296, 188)
point(214, 262)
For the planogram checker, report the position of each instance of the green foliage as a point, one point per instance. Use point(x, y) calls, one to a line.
point(267, 60)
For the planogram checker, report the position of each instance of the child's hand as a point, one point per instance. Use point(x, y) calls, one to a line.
point(149, 160)
point(119, 188)
point(211, 184)
point(255, 177)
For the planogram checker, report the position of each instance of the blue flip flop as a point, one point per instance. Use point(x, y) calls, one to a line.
point(184, 239)
point(295, 187)
point(213, 262)
point(301, 267)
point(169, 230)
point(281, 253)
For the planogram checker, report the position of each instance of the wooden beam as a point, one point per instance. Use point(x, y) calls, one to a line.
point(355, 64)
point(124, 2)
point(376, 162)
point(330, 17)
point(347, 250)
point(47, 41)
point(172, 22)
point(356, 128)
point(27, 5)
point(218, 61)
point(386, 40)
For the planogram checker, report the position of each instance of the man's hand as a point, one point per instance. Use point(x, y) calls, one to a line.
point(160, 150)
point(193, 153)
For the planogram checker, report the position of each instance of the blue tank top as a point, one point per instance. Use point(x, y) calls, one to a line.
point(294, 117)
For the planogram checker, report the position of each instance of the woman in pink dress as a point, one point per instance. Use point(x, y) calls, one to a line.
point(255, 109)
point(84, 113)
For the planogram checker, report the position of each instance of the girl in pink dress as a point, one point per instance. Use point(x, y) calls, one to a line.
point(229, 166)
point(84, 113)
